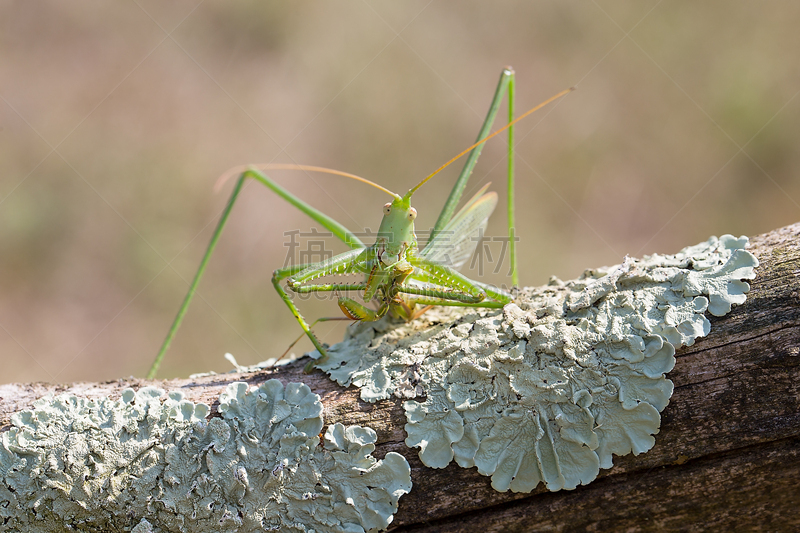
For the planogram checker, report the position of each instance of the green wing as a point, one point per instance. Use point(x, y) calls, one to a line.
point(457, 241)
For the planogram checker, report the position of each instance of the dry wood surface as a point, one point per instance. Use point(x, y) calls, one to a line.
point(727, 456)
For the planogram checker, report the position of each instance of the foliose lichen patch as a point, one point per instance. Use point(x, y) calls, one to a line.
point(552, 386)
point(145, 463)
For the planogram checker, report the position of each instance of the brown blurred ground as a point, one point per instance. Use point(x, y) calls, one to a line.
point(117, 118)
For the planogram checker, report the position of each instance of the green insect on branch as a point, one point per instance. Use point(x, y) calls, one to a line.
point(401, 279)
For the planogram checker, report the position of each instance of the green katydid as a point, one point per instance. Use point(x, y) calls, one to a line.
point(403, 280)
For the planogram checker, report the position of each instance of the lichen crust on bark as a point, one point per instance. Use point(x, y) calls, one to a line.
point(549, 388)
point(146, 463)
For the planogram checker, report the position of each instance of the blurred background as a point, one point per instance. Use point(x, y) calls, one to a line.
point(116, 119)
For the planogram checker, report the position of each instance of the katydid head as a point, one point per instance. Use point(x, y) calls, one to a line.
point(396, 232)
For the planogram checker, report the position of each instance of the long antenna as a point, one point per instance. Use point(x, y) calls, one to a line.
point(289, 166)
point(465, 152)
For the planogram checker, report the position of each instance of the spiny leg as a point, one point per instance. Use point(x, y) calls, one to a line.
point(442, 293)
point(491, 291)
point(278, 276)
point(333, 287)
point(449, 288)
point(447, 296)
point(299, 274)
point(357, 261)
point(429, 302)
point(430, 298)
point(351, 308)
point(324, 220)
point(446, 277)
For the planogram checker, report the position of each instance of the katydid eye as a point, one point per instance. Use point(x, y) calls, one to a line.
point(387, 209)
point(412, 213)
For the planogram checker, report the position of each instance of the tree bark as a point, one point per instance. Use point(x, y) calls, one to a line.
point(727, 455)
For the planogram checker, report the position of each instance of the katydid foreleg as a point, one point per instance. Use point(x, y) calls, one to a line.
point(300, 276)
point(277, 277)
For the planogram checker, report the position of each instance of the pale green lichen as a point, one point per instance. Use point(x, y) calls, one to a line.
point(562, 379)
point(148, 464)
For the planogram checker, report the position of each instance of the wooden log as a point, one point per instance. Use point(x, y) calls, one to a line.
point(727, 456)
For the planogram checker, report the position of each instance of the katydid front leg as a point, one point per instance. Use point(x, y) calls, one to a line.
point(353, 261)
point(383, 279)
point(277, 277)
point(359, 261)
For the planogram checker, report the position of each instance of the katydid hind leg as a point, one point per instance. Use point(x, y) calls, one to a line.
point(449, 208)
point(335, 227)
point(512, 244)
point(151, 374)
point(505, 87)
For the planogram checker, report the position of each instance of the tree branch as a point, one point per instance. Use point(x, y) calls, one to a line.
point(727, 455)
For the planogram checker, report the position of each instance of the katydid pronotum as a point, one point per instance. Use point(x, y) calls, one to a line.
point(403, 280)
